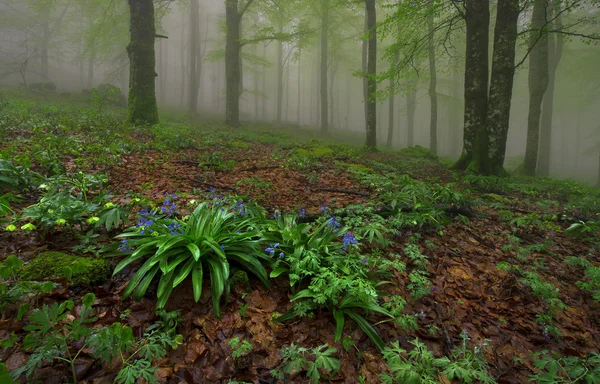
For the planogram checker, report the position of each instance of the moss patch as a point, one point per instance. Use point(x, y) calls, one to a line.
point(357, 167)
point(315, 152)
point(238, 144)
point(418, 151)
point(51, 265)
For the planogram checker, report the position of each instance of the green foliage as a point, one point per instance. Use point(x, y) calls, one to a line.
point(592, 284)
point(16, 178)
point(420, 366)
point(584, 229)
point(488, 184)
point(211, 238)
point(551, 368)
point(315, 361)
point(239, 347)
point(418, 151)
point(52, 265)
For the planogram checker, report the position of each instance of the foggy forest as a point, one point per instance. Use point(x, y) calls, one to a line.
point(299, 191)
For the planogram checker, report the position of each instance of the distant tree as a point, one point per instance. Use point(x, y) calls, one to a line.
point(142, 108)
point(371, 74)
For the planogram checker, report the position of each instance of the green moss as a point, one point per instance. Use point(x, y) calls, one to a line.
point(238, 144)
point(316, 152)
point(418, 151)
point(300, 152)
point(49, 265)
point(357, 167)
point(239, 279)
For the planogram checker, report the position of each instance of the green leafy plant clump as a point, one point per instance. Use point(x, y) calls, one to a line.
point(52, 265)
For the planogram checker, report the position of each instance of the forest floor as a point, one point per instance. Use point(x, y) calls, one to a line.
point(499, 265)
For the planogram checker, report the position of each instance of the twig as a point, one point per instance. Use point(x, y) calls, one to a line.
point(447, 340)
point(347, 191)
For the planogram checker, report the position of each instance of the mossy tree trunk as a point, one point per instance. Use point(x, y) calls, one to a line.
point(501, 85)
point(475, 140)
point(554, 56)
point(142, 107)
point(538, 83)
point(371, 73)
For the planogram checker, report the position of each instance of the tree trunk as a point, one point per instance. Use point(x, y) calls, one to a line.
point(324, 62)
point(501, 85)
point(142, 107)
point(454, 121)
point(91, 60)
point(232, 64)
point(554, 56)
point(390, 133)
point(365, 49)
point(45, 41)
point(331, 93)
point(475, 141)
point(299, 81)
point(182, 60)
point(433, 128)
point(538, 83)
point(279, 99)
point(264, 86)
point(411, 99)
point(371, 73)
point(194, 85)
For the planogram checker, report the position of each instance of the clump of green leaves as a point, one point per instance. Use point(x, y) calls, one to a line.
point(420, 366)
point(317, 362)
point(553, 369)
point(239, 347)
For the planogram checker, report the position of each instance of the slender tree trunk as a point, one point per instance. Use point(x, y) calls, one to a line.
point(538, 83)
point(454, 120)
point(299, 82)
point(371, 73)
point(182, 60)
point(554, 56)
point(475, 141)
point(411, 100)
point(45, 41)
point(331, 93)
point(279, 85)
point(91, 60)
point(142, 107)
point(501, 84)
point(193, 85)
point(324, 64)
point(365, 50)
point(232, 64)
point(433, 120)
point(264, 86)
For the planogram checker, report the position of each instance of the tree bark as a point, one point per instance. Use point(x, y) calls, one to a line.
point(390, 133)
point(142, 107)
point(371, 73)
point(45, 41)
point(365, 50)
point(554, 56)
point(279, 100)
point(299, 82)
point(432, 85)
point(538, 83)
point(232, 64)
point(193, 85)
point(324, 62)
point(475, 141)
point(411, 99)
point(91, 60)
point(501, 85)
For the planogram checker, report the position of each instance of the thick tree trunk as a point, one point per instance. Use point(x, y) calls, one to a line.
point(454, 121)
point(501, 85)
point(554, 56)
point(232, 64)
point(324, 62)
point(371, 73)
point(433, 128)
point(538, 83)
point(142, 107)
point(194, 84)
point(279, 100)
point(475, 141)
point(411, 101)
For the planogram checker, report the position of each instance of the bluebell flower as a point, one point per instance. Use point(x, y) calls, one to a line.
point(175, 228)
point(169, 207)
point(271, 250)
point(276, 215)
point(281, 255)
point(222, 247)
point(302, 212)
point(239, 208)
point(324, 209)
point(349, 240)
point(364, 260)
point(333, 222)
point(125, 247)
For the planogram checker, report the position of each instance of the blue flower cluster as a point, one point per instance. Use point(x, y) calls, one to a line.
point(212, 194)
point(334, 223)
point(169, 208)
point(239, 208)
point(145, 221)
point(324, 209)
point(271, 250)
point(175, 228)
point(125, 246)
point(302, 212)
point(349, 240)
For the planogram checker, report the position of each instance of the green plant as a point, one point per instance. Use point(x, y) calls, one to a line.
point(48, 265)
point(552, 368)
point(175, 249)
point(584, 229)
point(314, 361)
point(592, 285)
point(239, 347)
point(420, 366)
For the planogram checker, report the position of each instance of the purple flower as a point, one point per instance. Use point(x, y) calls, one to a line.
point(333, 222)
point(324, 209)
point(302, 212)
point(271, 250)
point(349, 240)
point(281, 255)
point(125, 247)
point(364, 260)
point(239, 208)
point(175, 228)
